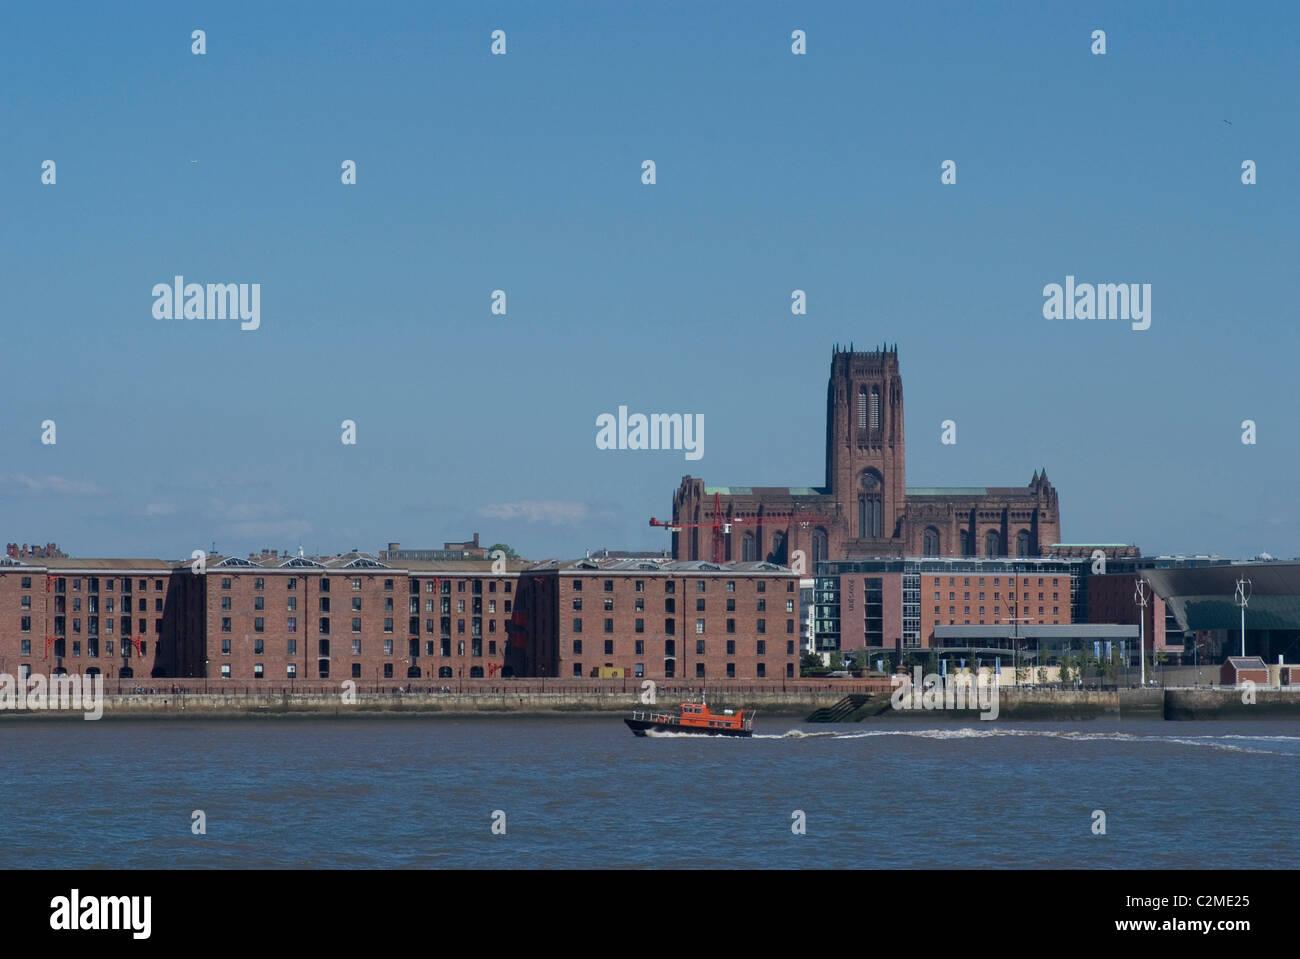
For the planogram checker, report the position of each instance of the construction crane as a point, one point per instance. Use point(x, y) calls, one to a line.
point(722, 527)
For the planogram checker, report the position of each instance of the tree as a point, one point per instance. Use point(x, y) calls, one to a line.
point(505, 548)
point(1111, 666)
point(1067, 664)
point(1087, 663)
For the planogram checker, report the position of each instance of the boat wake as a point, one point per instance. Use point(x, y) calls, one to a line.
point(1206, 741)
point(1235, 743)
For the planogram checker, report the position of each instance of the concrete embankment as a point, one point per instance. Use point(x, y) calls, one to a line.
point(1013, 704)
point(395, 705)
point(1173, 704)
point(1229, 703)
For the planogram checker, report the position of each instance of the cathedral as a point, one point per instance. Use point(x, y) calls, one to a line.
point(866, 508)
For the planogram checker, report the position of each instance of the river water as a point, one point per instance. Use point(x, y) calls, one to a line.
point(583, 792)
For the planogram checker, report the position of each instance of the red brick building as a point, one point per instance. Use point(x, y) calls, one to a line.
point(1111, 600)
point(896, 604)
point(676, 620)
point(354, 617)
point(278, 618)
point(865, 509)
point(121, 618)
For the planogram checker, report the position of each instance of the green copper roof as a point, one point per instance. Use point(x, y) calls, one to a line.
point(749, 490)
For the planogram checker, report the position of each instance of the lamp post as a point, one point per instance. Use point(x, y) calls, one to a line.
point(1241, 597)
point(1140, 598)
point(1015, 622)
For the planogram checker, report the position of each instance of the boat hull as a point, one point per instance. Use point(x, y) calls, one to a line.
point(641, 727)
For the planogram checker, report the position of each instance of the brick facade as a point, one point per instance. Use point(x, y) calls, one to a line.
point(684, 621)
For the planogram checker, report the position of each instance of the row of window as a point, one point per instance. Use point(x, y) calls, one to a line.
point(670, 647)
point(92, 647)
point(92, 584)
point(323, 647)
point(92, 604)
point(413, 625)
point(1011, 580)
point(670, 626)
point(701, 585)
point(670, 605)
point(997, 611)
point(92, 625)
point(1011, 597)
point(638, 670)
point(291, 671)
point(291, 583)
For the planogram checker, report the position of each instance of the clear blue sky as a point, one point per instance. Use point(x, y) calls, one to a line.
point(522, 172)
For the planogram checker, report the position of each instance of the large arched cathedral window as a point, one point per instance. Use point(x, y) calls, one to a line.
point(871, 506)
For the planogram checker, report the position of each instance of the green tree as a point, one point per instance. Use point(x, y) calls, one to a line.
point(505, 548)
point(1087, 663)
point(1111, 666)
point(1066, 663)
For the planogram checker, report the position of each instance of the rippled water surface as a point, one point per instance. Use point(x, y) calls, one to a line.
point(584, 792)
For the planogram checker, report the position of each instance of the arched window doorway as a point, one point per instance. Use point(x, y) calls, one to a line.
point(992, 543)
point(778, 548)
point(1022, 543)
point(966, 544)
point(444, 672)
point(819, 546)
point(930, 542)
point(871, 505)
point(747, 548)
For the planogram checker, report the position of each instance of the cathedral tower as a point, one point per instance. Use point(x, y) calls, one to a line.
point(865, 464)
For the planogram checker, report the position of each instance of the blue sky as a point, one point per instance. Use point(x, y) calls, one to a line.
point(521, 172)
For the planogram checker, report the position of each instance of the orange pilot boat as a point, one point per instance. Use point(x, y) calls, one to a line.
point(694, 718)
